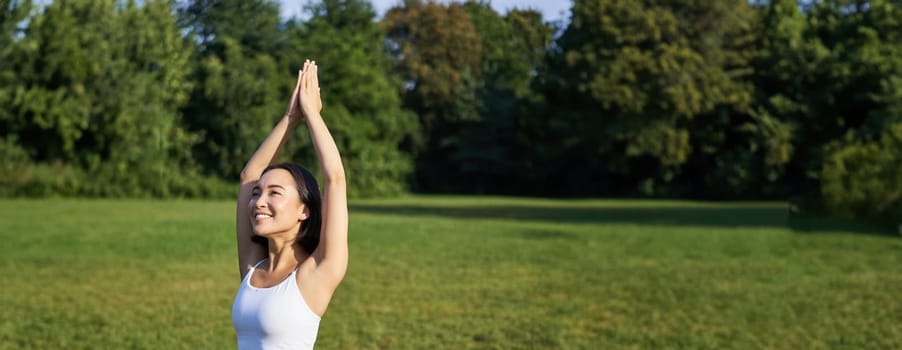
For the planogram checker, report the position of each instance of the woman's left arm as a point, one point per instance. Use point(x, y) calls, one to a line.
point(332, 253)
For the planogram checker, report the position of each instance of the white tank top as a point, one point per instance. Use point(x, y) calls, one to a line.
point(273, 318)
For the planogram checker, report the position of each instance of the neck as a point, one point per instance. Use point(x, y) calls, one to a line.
point(283, 253)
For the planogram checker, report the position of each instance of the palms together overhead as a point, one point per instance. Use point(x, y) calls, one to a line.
point(309, 98)
point(305, 100)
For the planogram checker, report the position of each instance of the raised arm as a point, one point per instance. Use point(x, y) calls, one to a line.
point(248, 251)
point(332, 253)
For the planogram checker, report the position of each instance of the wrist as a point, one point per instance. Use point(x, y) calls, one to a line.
point(291, 119)
point(312, 115)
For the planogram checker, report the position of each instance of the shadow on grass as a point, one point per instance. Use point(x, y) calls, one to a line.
point(730, 215)
point(825, 224)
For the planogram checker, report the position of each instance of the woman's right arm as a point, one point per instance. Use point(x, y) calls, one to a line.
point(248, 251)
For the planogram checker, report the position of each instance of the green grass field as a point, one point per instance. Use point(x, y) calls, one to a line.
point(462, 272)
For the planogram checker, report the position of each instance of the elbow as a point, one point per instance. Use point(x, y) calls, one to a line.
point(247, 175)
point(336, 178)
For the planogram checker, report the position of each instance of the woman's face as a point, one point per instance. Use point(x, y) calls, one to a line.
point(275, 206)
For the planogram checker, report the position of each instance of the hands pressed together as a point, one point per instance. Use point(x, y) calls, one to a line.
point(305, 100)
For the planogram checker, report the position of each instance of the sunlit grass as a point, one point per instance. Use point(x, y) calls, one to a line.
point(461, 272)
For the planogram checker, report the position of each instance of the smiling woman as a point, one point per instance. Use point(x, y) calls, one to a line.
point(292, 240)
point(282, 183)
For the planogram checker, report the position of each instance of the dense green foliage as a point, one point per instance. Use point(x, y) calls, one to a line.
point(241, 87)
point(519, 274)
point(642, 87)
point(364, 109)
point(664, 98)
point(94, 104)
point(863, 178)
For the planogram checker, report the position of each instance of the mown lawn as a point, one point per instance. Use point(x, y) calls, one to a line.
point(462, 272)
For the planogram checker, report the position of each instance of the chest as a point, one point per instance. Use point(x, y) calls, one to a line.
point(272, 311)
point(263, 279)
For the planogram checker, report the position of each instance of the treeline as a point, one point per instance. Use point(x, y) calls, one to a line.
point(722, 99)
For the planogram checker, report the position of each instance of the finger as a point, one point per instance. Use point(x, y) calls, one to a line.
point(306, 83)
point(316, 76)
point(308, 75)
point(297, 87)
point(303, 74)
point(315, 69)
point(314, 79)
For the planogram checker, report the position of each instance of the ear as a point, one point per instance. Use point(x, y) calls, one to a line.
point(303, 213)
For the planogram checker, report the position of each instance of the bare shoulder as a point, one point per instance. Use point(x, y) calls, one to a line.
point(246, 263)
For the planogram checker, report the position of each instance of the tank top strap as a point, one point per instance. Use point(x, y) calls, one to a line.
point(258, 263)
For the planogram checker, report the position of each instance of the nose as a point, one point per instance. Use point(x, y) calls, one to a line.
point(258, 202)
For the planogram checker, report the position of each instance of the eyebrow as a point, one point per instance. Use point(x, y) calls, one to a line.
point(257, 187)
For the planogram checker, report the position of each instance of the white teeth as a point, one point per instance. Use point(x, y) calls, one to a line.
point(262, 216)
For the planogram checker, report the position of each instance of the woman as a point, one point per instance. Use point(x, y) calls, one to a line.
point(292, 244)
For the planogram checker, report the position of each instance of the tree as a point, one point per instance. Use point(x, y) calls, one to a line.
point(858, 114)
point(241, 87)
point(628, 80)
point(467, 72)
point(492, 151)
point(98, 89)
point(438, 59)
point(12, 16)
point(743, 149)
point(255, 25)
point(361, 106)
point(863, 179)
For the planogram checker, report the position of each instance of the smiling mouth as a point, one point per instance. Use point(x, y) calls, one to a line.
point(259, 217)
